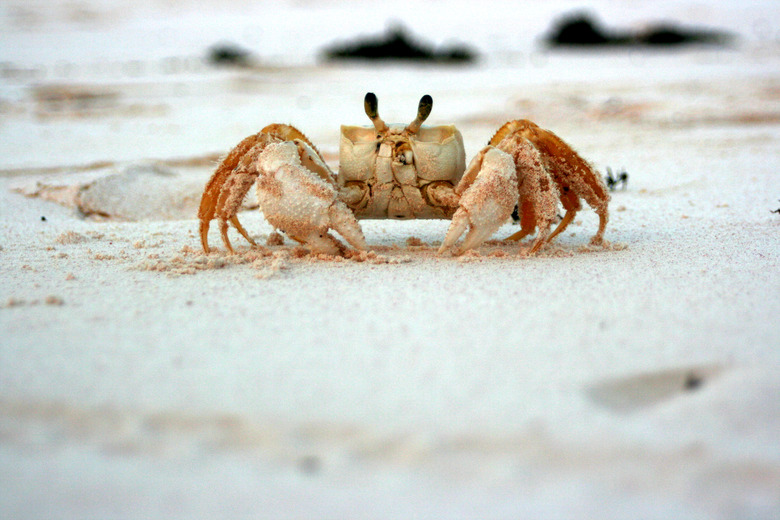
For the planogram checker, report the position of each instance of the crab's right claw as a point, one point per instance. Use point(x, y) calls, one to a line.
point(298, 197)
point(236, 173)
point(488, 194)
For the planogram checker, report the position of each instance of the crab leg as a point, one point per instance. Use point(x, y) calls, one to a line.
point(233, 193)
point(227, 187)
point(488, 192)
point(527, 222)
point(213, 194)
point(571, 203)
point(573, 176)
point(538, 191)
point(241, 230)
point(223, 231)
point(565, 221)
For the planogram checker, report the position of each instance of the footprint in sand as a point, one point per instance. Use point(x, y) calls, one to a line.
point(628, 394)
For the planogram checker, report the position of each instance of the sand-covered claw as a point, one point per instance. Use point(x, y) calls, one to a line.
point(488, 194)
point(297, 198)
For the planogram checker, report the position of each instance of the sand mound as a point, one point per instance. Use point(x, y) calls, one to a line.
point(141, 191)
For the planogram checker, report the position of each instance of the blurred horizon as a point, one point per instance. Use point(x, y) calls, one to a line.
point(295, 32)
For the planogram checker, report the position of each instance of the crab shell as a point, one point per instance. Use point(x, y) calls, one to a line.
point(397, 177)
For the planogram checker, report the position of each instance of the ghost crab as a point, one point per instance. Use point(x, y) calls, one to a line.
point(402, 172)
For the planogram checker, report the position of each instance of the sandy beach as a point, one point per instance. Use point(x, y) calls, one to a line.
point(142, 378)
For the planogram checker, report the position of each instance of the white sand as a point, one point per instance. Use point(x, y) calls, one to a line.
point(141, 379)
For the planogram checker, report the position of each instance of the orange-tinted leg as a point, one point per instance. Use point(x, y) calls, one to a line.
point(598, 238)
point(527, 221)
point(240, 229)
point(223, 230)
point(571, 203)
point(215, 185)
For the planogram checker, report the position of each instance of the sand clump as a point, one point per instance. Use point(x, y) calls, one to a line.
point(190, 260)
point(415, 242)
point(268, 262)
point(51, 300)
point(274, 239)
point(70, 237)
point(605, 246)
point(73, 237)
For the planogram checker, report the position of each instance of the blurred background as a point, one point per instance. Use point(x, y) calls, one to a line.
point(107, 80)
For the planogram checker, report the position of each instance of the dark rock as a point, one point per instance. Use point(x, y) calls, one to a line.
point(228, 54)
point(581, 30)
point(672, 35)
point(397, 44)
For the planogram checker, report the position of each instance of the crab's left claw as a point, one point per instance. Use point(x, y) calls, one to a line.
point(488, 194)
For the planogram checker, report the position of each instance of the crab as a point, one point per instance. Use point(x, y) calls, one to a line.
point(401, 171)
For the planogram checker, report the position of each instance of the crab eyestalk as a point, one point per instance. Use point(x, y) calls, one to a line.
point(423, 111)
point(371, 105)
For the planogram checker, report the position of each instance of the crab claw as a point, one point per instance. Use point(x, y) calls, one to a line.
point(488, 194)
point(298, 198)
